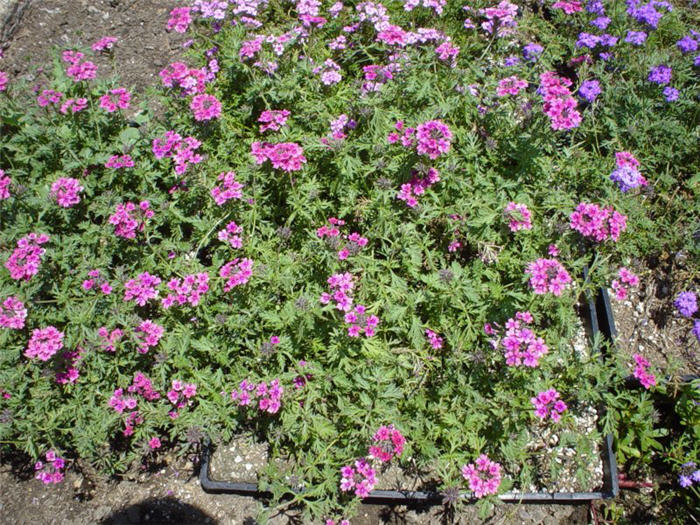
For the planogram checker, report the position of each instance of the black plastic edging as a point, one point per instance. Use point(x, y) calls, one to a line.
point(610, 481)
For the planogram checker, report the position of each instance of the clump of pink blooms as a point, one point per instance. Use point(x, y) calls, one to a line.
point(355, 241)
point(599, 224)
point(48, 96)
point(25, 259)
point(141, 289)
point(361, 477)
point(181, 150)
point(376, 76)
point(191, 81)
point(641, 371)
point(205, 107)
point(105, 43)
point(148, 334)
point(5, 182)
point(119, 161)
point(70, 362)
point(338, 128)
point(548, 405)
point(434, 339)
point(118, 98)
point(288, 156)
point(180, 19)
point(559, 104)
point(236, 273)
point(360, 322)
point(436, 5)
point(510, 86)
point(521, 346)
point(231, 235)
point(341, 522)
point(547, 275)
point(96, 280)
point(388, 443)
point(65, 191)
point(51, 471)
point(188, 290)
point(4, 79)
point(329, 71)
point(626, 280)
point(109, 339)
point(447, 52)
point(341, 286)
point(267, 396)
point(228, 189)
point(430, 138)
point(519, 217)
point(79, 70)
point(484, 476)
point(141, 386)
point(12, 313)
point(416, 187)
point(627, 175)
point(128, 218)
point(273, 119)
point(75, 105)
point(154, 443)
point(500, 18)
point(44, 343)
point(568, 6)
point(180, 395)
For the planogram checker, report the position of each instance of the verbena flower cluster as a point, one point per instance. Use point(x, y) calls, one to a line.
point(266, 397)
point(26, 258)
point(626, 280)
point(549, 405)
point(483, 476)
point(641, 371)
point(599, 224)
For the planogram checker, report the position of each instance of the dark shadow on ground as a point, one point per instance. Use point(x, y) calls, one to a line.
point(159, 511)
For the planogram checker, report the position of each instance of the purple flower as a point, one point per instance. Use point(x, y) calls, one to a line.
point(696, 329)
point(601, 22)
point(660, 74)
point(636, 38)
point(595, 7)
point(512, 60)
point(607, 40)
point(587, 40)
point(627, 178)
point(670, 93)
point(687, 45)
point(696, 62)
point(532, 51)
point(687, 303)
point(684, 481)
point(589, 90)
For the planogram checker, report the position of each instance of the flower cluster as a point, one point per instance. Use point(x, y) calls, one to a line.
point(25, 259)
point(231, 235)
point(361, 477)
point(548, 405)
point(484, 476)
point(626, 280)
point(589, 90)
point(191, 81)
point(599, 224)
point(75, 105)
point(287, 156)
point(518, 216)
point(141, 386)
point(338, 127)
point(236, 272)
point(520, 344)
point(118, 98)
point(329, 71)
point(641, 371)
point(141, 289)
point(559, 104)
point(510, 86)
point(148, 334)
point(70, 372)
point(180, 394)
point(267, 397)
point(181, 150)
point(128, 218)
point(187, 290)
point(51, 471)
point(376, 76)
point(686, 303)
point(360, 322)
point(105, 43)
point(433, 139)
point(119, 161)
point(388, 443)
point(109, 339)
point(48, 96)
point(273, 119)
point(416, 187)
point(627, 176)
point(341, 285)
point(12, 313)
point(5, 182)
point(689, 475)
point(434, 339)
point(547, 275)
point(44, 343)
point(500, 18)
point(65, 191)
point(355, 241)
point(229, 188)
point(78, 69)
point(205, 107)
point(180, 19)
point(97, 281)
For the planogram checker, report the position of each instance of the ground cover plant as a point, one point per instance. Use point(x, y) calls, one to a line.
point(355, 231)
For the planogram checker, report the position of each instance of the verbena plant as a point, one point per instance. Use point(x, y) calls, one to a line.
point(341, 227)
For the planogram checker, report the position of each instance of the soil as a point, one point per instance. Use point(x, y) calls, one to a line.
point(29, 32)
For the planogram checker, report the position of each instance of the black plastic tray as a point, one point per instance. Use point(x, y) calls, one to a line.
point(610, 481)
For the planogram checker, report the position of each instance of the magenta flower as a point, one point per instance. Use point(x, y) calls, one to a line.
point(287, 156)
point(518, 216)
point(65, 190)
point(362, 477)
point(49, 96)
point(520, 344)
point(548, 275)
point(484, 476)
point(205, 107)
point(5, 182)
point(190, 290)
point(273, 119)
point(25, 259)
point(148, 334)
point(597, 223)
point(12, 313)
point(626, 280)
point(228, 189)
point(116, 99)
point(180, 19)
point(104, 43)
point(128, 219)
point(141, 289)
point(119, 161)
point(181, 150)
point(548, 404)
point(641, 371)
point(389, 443)
point(510, 86)
point(51, 471)
point(231, 235)
point(75, 105)
point(154, 443)
point(236, 273)
point(435, 340)
point(433, 139)
point(44, 343)
point(267, 396)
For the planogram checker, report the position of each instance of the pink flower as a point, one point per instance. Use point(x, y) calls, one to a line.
point(65, 191)
point(230, 234)
point(626, 280)
point(12, 313)
point(510, 86)
point(148, 334)
point(48, 96)
point(180, 19)
point(190, 290)
point(236, 273)
point(362, 477)
point(3, 81)
point(141, 289)
point(104, 43)
point(548, 275)
point(25, 259)
point(205, 107)
point(520, 344)
point(44, 343)
point(518, 216)
point(228, 189)
point(484, 476)
point(389, 443)
point(435, 340)
point(181, 150)
point(154, 443)
point(641, 371)
point(548, 404)
point(287, 156)
point(273, 119)
point(597, 223)
point(116, 99)
point(568, 6)
point(433, 138)
point(128, 219)
point(74, 104)
point(5, 182)
point(119, 161)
